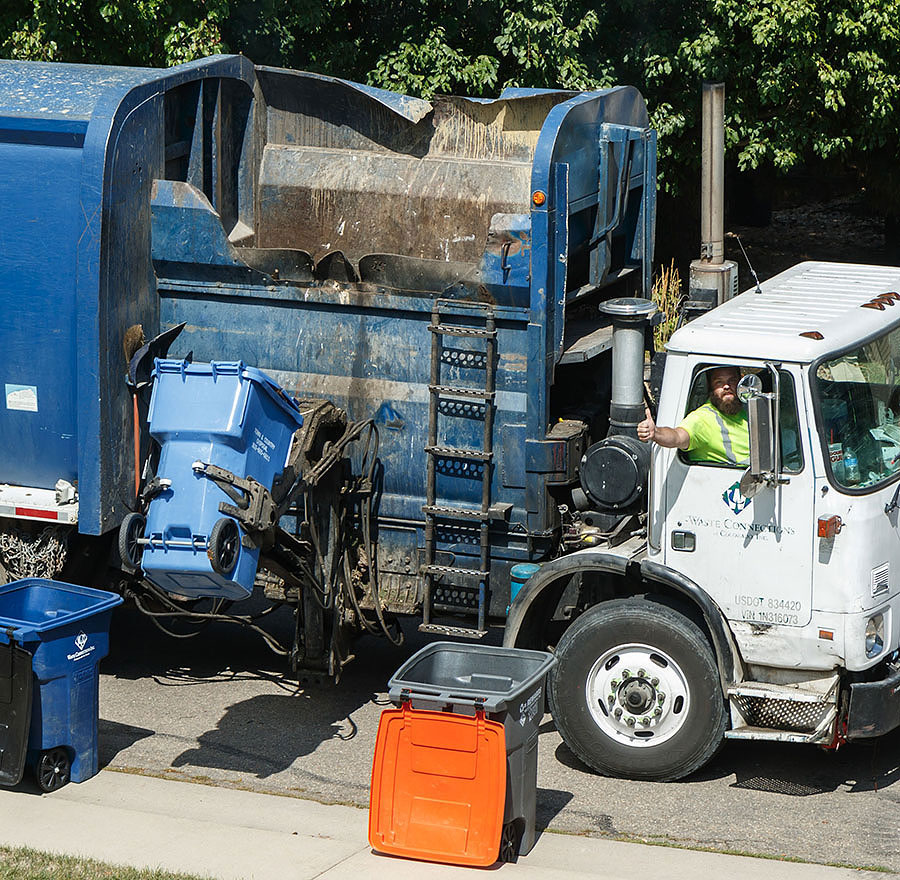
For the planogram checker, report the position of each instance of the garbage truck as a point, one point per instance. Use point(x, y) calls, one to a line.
point(442, 309)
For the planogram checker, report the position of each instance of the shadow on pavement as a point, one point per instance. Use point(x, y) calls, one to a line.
point(115, 737)
point(800, 771)
point(550, 803)
point(791, 769)
point(267, 733)
point(259, 735)
point(138, 649)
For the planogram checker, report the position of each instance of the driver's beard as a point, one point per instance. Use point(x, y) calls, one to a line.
point(730, 408)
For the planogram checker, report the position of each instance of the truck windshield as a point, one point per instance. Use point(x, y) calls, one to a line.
point(857, 397)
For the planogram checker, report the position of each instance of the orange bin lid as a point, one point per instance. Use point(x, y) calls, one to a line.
point(438, 787)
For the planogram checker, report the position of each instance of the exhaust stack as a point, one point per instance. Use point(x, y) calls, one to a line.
point(613, 472)
point(629, 317)
point(712, 176)
point(713, 279)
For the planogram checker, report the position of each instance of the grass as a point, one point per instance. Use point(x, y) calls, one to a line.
point(668, 296)
point(22, 863)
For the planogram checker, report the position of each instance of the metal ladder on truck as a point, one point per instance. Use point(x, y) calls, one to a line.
point(448, 588)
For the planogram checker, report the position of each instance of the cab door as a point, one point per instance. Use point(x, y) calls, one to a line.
point(753, 556)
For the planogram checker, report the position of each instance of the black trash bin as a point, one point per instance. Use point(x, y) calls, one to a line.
point(15, 710)
point(508, 684)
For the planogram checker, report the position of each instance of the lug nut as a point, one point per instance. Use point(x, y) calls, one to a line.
point(654, 681)
point(618, 713)
point(645, 720)
point(642, 673)
point(625, 673)
point(611, 699)
point(629, 721)
point(614, 683)
point(662, 698)
point(657, 712)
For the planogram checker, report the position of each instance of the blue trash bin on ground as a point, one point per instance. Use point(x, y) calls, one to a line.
point(225, 414)
point(65, 629)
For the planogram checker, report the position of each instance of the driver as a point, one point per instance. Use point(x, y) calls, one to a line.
point(716, 432)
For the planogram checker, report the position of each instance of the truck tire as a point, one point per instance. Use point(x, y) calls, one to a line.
point(636, 693)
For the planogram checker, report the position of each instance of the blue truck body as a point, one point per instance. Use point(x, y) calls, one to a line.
point(316, 229)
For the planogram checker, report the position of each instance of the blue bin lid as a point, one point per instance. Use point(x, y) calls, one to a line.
point(232, 368)
point(52, 604)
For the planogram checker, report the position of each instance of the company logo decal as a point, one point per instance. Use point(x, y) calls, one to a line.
point(83, 649)
point(529, 709)
point(734, 499)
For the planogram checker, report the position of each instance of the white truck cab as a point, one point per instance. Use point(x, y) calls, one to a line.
point(802, 570)
point(760, 602)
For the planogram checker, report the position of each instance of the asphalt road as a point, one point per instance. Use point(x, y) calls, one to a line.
point(219, 708)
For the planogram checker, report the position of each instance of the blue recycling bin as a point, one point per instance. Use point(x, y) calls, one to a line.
point(65, 629)
point(225, 414)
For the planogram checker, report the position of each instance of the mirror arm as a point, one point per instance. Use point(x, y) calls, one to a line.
point(777, 480)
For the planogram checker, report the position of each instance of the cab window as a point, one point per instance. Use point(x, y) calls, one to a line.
point(791, 450)
point(856, 394)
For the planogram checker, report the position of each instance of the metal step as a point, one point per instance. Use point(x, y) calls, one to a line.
point(784, 713)
point(455, 572)
point(454, 391)
point(454, 452)
point(458, 330)
point(766, 691)
point(766, 733)
point(460, 632)
point(454, 513)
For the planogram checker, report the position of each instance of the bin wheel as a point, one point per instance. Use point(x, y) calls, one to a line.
point(130, 531)
point(53, 769)
point(224, 546)
point(509, 843)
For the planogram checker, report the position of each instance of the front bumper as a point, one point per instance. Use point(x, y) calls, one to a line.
point(874, 706)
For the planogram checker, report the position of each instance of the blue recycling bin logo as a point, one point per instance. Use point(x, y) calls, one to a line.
point(82, 649)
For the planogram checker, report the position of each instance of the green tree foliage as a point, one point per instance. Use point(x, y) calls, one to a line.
point(805, 79)
point(133, 32)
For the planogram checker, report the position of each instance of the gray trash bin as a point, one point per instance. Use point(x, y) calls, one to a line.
point(508, 685)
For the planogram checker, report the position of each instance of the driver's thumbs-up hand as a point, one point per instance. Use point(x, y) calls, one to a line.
point(646, 429)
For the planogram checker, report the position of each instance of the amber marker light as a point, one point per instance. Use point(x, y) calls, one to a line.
point(812, 334)
point(538, 198)
point(826, 634)
point(829, 526)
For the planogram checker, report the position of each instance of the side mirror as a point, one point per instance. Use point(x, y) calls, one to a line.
point(749, 387)
point(762, 435)
point(761, 422)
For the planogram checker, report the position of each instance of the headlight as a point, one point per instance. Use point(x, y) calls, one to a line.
point(875, 636)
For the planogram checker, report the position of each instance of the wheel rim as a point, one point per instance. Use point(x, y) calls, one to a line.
point(509, 843)
point(638, 695)
point(53, 770)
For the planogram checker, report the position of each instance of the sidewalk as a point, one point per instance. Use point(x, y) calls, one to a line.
point(238, 835)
